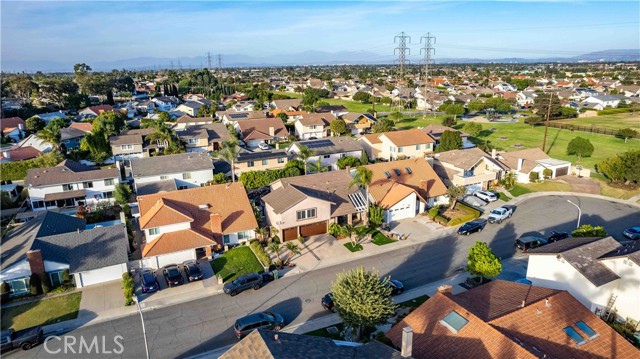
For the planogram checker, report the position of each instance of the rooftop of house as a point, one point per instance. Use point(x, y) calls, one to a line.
point(126, 140)
point(436, 131)
point(531, 156)
point(407, 137)
point(68, 171)
point(330, 145)
point(156, 187)
point(259, 129)
point(213, 132)
point(11, 123)
point(21, 153)
point(317, 119)
point(466, 159)
point(189, 119)
point(98, 109)
point(288, 103)
point(83, 126)
point(245, 156)
point(245, 115)
point(159, 165)
point(509, 320)
point(68, 133)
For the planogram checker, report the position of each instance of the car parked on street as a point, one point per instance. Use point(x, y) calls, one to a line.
point(632, 232)
point(266, 277)
point(327, 302)
point(500, 214)
point(25, 338)
point(264, 320)
point(486, 196)
point(529, 242)
point(148, 281)
point(477, 225)
point(172, 275)
point(396, 286)
point(252, 280)
point(557, 236)
point(192, 270)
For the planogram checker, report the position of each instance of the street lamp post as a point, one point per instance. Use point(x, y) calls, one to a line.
point(579, 213)
point(144, 331)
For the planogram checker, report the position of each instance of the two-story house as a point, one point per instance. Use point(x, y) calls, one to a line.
point(313, 125)
point(436, 131)
point(260, 160)
point(94, 111)
point(230, 117)
point(293, 104)
point(307, 205)
point(187, 170)
point(191, 108)
point(203, 138)
point(397, 144)
point(185, 121)
point(70, 184)
point(71, 136)
point(471, 168)
point(266, 130)
point(328, 150)
point(165, 103)
point(189, 224)
point(359, 123)
point(131, 144)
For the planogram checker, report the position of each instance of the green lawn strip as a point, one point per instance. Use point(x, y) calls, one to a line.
point(504, 197)
point(322, 332)
point(611, 122)
point(414, 303)
point(519, 190)
point(420, 121)
point(352, 106)
point(42, 312)
point(236, 262)
point(380, 239)
point(352, 248)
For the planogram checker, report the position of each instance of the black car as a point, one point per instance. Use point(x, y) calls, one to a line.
point(252, 280)
point(327, 302)
point(265, 320)
point(172, 275)
point(149, 282)
point(557, 236)
point(477, 225)
point(192, 270)
point(267, 277)
point(529, 242)
point(396, 286)
point(25, 338)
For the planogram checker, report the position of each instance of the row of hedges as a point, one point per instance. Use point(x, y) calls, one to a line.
point(259, 251)
point(257, 179)
point(613, 111)
point(128, 287)
point(18, 170)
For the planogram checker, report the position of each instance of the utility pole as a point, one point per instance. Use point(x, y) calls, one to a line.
point(546, 124)
point(428, 50)
point(208, 61)
point(402, 50)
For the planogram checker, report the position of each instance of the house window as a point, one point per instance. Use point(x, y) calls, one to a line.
point(342, 155)
point(108, 182)
point(182, 187)
point(265, 162)
point(244, 235)
point(126, 147)
point(67, 187)
point(193, 141)
point(326, 156)
point(186, 175)
point(107, 195)
point(164, 177)
point(19, 286)
point(313, 127)
point(418, 147)
point(306, 214)
point(400, 149)
point(226, 239)
point(87, 184)
point(154, 231)
point(250, 164)
point(392, 149)
point(56, 278)
point(280, 160)
point(37, 204)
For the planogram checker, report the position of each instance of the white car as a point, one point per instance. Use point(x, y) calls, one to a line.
point(486, 196)
point(264, 146)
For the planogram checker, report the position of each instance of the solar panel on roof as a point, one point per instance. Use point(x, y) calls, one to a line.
point(317, 144)
point(238, 115)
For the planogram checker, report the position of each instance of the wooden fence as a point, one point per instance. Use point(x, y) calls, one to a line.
point(592, 129)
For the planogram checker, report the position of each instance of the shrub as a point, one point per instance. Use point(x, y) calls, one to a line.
point(257, 179)
point(18, 170)
point(34, 284)
point(5, 289)
point(376, 216)
point(440, 220)
point(462, 219)
point(449, 121)
point(301, 239)
point(434, 211)
point(533, 176)
point(587, 230)
point(128, 288)
point(45, 283)
point(66, 278)
point(262, 255)
point(547, 173)
point(613, 111)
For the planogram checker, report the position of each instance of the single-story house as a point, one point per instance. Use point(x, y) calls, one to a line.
point(256, 131)
point(328, 150)
point(524, 162)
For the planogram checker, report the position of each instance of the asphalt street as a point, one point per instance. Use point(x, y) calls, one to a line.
point(190, 328)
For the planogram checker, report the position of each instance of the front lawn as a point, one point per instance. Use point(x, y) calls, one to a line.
point(352, 248)
point(519, 190)
point(236, 262)
point(504, 197)
point(420, 121)
point(377, 237)
point(611, 122)
point(332, 332)
point(414, 303)
point(42, 312)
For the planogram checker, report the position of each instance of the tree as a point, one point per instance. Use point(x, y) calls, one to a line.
point(625, 133)
point(283, 116)
point(318, 167)
point(338, 127)
point(293, 250)
point(455, 109)
point(541, 106)
point(122, 194)
point(51, 132)
point(348, 161)
point(568, 112)
point(449, 121)
point(164, 117)
point(376, 216)
point(580, 147)
point(475, 106)
point(508, 180)
point(498, 104)
point(276, 248)
point(229, 152)
point(383, 125)
point(35, 124)
point(533, 120)
point(482, 262)
point(472, 128)
point(362, 299)
point(623, 167)
point(362, 178)
point(220, 178)
point(395, 116)
point(364, 158)
point(453, 192)
point(304, 154)
point(361, 96)
point(587, 230)
point(450, 140)
point(45, 283)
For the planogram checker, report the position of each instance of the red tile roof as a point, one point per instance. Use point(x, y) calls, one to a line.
point(22, 153)
point(11, 123)
point(82, 126)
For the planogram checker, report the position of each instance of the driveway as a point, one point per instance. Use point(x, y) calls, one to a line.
point(412, 227)
point(102, 298)
point(581, 185)
point(317, 249)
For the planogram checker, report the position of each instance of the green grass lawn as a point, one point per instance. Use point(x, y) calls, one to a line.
point(42, 312)
point(378, 238)
point(414, 303)
point(519, 190)
point(322, 332)
point(236, 262)
point(352, 248)
point(421, 121)
point(503, 196)
point(614, 122)
point(506, 135)
point(352, 106)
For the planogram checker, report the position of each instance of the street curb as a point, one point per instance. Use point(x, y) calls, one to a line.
point(524, 197)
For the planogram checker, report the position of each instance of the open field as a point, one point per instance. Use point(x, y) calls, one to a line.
point(613, 122)
point(420, 121)
point(352, 106)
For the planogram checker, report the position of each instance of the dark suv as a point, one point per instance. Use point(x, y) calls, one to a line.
point(149, 282)
point(266, 320)
point(25, 339)
point(172, 275)
point(557, 236)
point(253, 280)
point(529, 242)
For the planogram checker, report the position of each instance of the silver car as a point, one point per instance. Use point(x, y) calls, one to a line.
point(486, 196)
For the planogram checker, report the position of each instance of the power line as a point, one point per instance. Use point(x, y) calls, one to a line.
point(208, 61)
point(219, 57)
point(402, 50)
point(428, 51)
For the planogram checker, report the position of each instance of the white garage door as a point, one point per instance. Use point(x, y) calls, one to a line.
point(176, 257)
point(474, 187)
point(406, 208)
point(101, 275)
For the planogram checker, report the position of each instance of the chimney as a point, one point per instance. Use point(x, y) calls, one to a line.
point(216, 225)
point(494, 154)
point(445, 289)
point(272, 131)
point(520, 162)
point(34, 257)
point(407, 342)
point(523, 304)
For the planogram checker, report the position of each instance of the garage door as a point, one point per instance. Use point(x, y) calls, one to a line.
point(562, 171)
point(474, 187)
point(101, 275)
point(313, 229)
point(290, 233)
point(176, 257)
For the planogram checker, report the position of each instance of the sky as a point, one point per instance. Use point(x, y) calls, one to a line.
point(34, 32)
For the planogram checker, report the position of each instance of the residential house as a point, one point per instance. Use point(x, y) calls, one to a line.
point(203, 138)
point(245, 106)
point(359, 123)
point(316, 83)
point(601, 273)
point(50, 116)
point(471, 168)
point(70, 184)
point(131, 144)
point(52, 243)
point(264, 344)
point(504, 319)
point(436, 131)
point(603, 101)
point(258, 161)
point(17, 153)
point(145, 106)
point(94, 111)
point(35, 142)
point(71, 136)
point(395, 145)
point(186, 121)
point(292, 116)
point(328, 150)
point(526, 99)
point(11, 189)
point(191, 108)
point(13, 127)
point(505, 87)
point(266, 130)
point(629, 90)
point(524, 162)
point(313, 125)
point(335, 110)
point(165, 103)
point(405, 188)
point(230, 117)
point(293, 104)
point(307, 205)
point(189, 170)
point(189, 224)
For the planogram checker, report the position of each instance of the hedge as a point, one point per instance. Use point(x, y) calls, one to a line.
point(257, 179)
point(259, 251)
point(613, 111)
point(440, 219)
point(463, 219)
point(18, 170)
point(128, 288)
point(468, 209)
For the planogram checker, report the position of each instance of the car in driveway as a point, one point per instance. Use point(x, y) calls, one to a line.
point(477, 225)
point(327, 302)
point(396, 286)
point(264, 320)
point(632, 232)
point(25, 338)
point(474, 201)
point(486, 196)
point(264, 146)
point(529, 242)
point(242, 283)
point(557, 236)
point(192, 270)
point(148, 281)
point(172, 275)
point(500, 214)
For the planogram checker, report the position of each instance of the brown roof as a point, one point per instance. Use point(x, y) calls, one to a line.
point(188, 119)
point(499, 327)
point(64, 195)
point(68, 171)
point(319, 119)
point(436, 131)
point(373, 138)
point(164, 212)
point(423, 179)
point(408, 137)
point(258, 129)
point(286, 103)
point(530, 156)
point(22, 153)
point(126, 140)
point(99, 109)
point(11, 123)
point(82, 126)
point(464, 159)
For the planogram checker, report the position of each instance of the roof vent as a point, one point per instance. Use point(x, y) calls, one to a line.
point(204, 206)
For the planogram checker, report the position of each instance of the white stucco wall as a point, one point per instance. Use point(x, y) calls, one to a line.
point(166, 229)
point(406, 208)
point(197, 178)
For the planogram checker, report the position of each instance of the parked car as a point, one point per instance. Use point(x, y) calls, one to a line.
point(25, 338)
point(192, 270)
point(327, 302)
point(632, 232)
point(474, 201)
point(264, 146)
point(529, 242)
point(148, 281)
point(264, 320)
point(486, 196)
point(477, 225)
point(172, 275)
point(557, 236)
point(266, 277)
point(252, 280)
point(396, 286)
point(500, 214)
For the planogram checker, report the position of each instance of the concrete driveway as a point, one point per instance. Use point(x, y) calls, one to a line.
point(102, 298)
point(418, 226)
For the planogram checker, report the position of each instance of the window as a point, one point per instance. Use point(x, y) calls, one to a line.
point(182, 187)
point(164, 177)
point(418, 147)
point(107, 195)
point(265, 162)
point(587, 330)
point(397, 172)
point(392, 149)
point(37, 204)
point(87, 184)
point(280, 160)
point(19, 286)
point(108, 182)
point(313, 127)
point(250, 164)
point(400, 149)
point(126, 147)
point(226, 239)
point(326, 156)
point(186, 175)
point(243, 235)
point(193, 141)
point(454, 322)
point(56, 278)
point(343, 155)
point(67, 187)
point(154, 231)
point(306, 214)
point(577, 338)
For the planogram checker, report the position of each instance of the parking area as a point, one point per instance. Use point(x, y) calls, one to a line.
point(208, 280)
point(411, 227)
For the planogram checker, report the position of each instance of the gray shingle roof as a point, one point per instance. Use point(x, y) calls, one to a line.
point(156, 187)
point(68, 171)
point(183, 162)
point(71, 132)
point(244, 156)
point(331, 145)
point(213, 132)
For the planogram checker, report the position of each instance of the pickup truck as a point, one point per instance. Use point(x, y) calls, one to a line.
point(500, 214)
point(25, 338)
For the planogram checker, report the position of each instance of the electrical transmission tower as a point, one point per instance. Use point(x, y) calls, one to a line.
point(428, 50)
point(402, 50)
point(209, 61)
point(219, 65)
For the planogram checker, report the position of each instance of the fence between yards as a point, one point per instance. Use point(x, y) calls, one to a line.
point(592, 129)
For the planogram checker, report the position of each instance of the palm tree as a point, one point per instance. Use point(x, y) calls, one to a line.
point(260, 232)
point(362, 178)
point(317, 167)
point(293, 250)
point(48, 134)
point(229, 152)
point(276, 248)
point(304, 154)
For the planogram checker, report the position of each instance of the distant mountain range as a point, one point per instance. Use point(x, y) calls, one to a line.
point(300, 59)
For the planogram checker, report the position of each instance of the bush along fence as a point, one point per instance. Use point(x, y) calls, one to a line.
point(591, 129)
point(260, 253)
